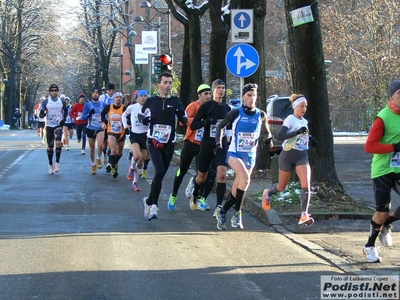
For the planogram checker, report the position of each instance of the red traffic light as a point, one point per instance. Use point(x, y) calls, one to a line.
point(165, 58)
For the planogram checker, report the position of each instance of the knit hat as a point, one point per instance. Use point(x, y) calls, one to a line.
point(393, 87)
point(216, 83)
point(203, 88)
point(141, 93)
point(53, 87)
point(81, 95)
point(249, 87)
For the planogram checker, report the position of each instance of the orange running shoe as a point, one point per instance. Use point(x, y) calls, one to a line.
point(306, 220)
point(266, 200)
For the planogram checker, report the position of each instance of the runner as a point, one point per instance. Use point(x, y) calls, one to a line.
point(55, 110)
point(94, 130)
point(137, 137)
point(80, 125)
point(160, 112)
point(247, 124)
point(208, 116)
point(191, 145)
point(68, 128)
point(111, 120)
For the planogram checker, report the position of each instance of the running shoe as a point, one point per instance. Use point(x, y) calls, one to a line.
point(94, 169)
point(78, 141)
point(114, 172)
point(221, 219)
point(130, 174)
point(171, 205)
point(68, 148)
point(83, 152)
point(306, 220)
point(57, 167)
point(202, 204)
point(146, 208)
point(144, 174)
point(130, 155)
point(371, 254)
point(189, 188)
point(386, 236)
point(193, 203)
point(99, 163)
point(266, 200)
point(108, 168)
point(135, 187)
point(236, 220)
point(153, 212)
point(218, 207)
point(51, 169)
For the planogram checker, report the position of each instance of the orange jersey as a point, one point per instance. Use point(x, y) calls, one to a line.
point(193, 135)
point(115, 120)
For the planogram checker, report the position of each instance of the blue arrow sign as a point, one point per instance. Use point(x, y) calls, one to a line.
point(242, 60)
point(242, 20)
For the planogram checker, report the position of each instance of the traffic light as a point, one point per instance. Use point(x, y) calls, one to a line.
point(166, 62)
point(157, 65)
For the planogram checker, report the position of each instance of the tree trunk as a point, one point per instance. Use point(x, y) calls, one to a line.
point(218, 42)
point(308, 72)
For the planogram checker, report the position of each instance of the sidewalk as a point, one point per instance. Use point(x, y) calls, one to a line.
point(338, 238)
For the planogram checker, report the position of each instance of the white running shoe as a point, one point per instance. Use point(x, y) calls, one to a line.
point(386, 236)
point(83, 152)
point(153, 212)
point(371, 254)
point(146, 208)
point(51, 169)
point(57, 167)
point(189, 189)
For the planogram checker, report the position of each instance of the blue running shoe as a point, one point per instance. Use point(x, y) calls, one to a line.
point(221, 219)
point(171, 205)
point(202, 204)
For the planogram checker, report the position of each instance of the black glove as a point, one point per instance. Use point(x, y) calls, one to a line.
point(91, 112)
point(127, 131)
point(313, 142)
point(218, 149)
point(396, 147)
point(210, 121)
point(268, 142)
point(62, 122)
point(146, 121)
point(42, 114)
point(179, 113)
point(302, 130)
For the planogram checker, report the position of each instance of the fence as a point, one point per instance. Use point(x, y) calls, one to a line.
point(352, 120)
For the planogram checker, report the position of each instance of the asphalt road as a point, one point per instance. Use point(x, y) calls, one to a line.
point(73, 235)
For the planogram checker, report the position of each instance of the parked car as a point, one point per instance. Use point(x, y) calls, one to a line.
point(278, 108)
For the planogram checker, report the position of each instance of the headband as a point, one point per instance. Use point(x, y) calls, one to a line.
point(298, 101)
point(118, 94)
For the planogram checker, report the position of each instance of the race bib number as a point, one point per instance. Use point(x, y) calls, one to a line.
point(213, 128)
point(301, 142)
point(116, 126)
point(96, 120)
point(162, 132)
point(395, 160)
point(54, 119)
point(199, 134)
point(246, 141)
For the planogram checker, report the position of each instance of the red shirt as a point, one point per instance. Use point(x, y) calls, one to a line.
point(76, 111)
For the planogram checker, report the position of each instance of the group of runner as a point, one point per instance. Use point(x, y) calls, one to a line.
point(215, 136)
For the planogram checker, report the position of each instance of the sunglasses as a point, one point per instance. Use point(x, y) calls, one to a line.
point(53, 90)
